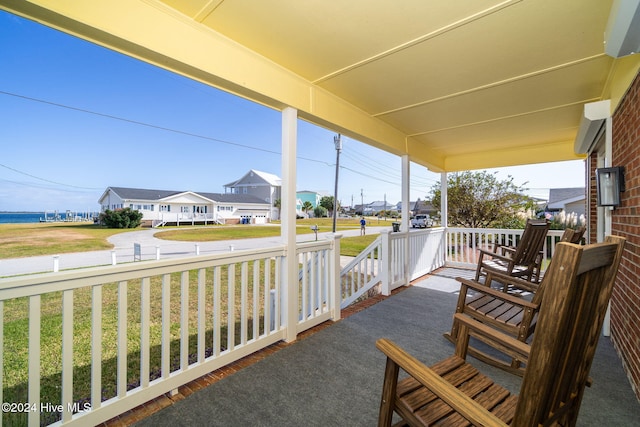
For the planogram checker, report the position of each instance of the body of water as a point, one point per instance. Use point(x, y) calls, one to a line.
point(31, 217)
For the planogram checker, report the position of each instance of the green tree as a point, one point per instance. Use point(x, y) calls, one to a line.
point(306, 207)
point(320, 212)
point(327, 203)
point(121, 218)
point(481, 200)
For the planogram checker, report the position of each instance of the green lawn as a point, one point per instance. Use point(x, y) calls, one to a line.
point(24, 240)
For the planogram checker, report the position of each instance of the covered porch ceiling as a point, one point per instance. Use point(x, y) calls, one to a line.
point(456, 85)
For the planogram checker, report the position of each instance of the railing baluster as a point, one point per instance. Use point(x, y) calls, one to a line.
point(256, 299)
point(202, 327)
point(34, 359)
point(166, 326)
point(96, 347)
point(231, 302)
point(278, 284)
point(304, 283)
point(184, 320)
point(243, 303)
point(67, 354)
point(1, 354)
point(313, 280)
point(217, 296)
point(122, 339)
point(145, 322)
point(267, 296)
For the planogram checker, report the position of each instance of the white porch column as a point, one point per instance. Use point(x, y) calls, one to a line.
point(444, 209)
point(288, 221)
point(607, 211)
point(335, 288)
point(406, 196)
point(404, 226)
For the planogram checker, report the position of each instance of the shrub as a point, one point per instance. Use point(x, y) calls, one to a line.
point(320, 212)
point(121, 218)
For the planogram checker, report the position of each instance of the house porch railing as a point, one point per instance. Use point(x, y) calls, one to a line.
point(83, 346)
point(395, 259)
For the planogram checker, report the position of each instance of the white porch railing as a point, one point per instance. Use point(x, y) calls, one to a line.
point(82, 346)
point(463, 243)
point(391, 261)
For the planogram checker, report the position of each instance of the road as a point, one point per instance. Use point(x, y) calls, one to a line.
point(123, 250)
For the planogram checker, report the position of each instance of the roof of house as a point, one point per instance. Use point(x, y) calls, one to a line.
point(155, 195)
point(269, 178)
point(562, 194)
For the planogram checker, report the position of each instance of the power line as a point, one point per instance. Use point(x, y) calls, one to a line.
point(152, 126)
point(194, 135)
point(47, 180)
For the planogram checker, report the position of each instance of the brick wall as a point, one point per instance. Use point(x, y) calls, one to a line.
point(625, 301)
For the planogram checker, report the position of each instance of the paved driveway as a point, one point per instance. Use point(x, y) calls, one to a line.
point(123, 250)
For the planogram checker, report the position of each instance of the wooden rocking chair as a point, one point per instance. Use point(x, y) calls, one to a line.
point(453, 392)
point(509, 313)
point(519, 261)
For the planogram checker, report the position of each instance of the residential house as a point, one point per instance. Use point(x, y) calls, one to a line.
point(567, 200)
point(263, 185)
point(424, 207)
point(312, 197)
point(180, 207)
point(381, 205)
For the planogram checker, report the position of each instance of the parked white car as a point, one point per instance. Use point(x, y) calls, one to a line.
point(421, 221)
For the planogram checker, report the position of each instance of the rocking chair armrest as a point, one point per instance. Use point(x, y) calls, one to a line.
point(509, 249)
point(459, 401)
point(511, 280)
point(487, 290)
point(473, 327)
point(494, 255)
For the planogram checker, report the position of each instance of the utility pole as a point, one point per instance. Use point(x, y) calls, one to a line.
point(362, 201)
point(385, 206)
point(338, 144)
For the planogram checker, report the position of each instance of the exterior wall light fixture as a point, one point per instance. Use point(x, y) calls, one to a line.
point(609, 183)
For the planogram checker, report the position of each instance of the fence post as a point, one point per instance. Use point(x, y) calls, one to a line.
point(385, 256)
point(336, 289)
point(197, 249)
point(56, 263)
point(157, 253)
point(113, 258)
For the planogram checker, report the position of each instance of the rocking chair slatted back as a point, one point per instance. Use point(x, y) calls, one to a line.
point(568, 333)
point(531, 243)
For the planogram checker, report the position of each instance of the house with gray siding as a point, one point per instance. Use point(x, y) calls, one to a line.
point(159, 207)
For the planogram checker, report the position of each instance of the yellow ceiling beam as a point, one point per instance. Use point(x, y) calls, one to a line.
point(154, 33)
point(532, 154)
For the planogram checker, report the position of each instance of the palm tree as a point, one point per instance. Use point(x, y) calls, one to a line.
point(306, 207)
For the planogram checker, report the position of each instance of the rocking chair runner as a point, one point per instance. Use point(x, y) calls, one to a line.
point(520, 261)
point(453, 392)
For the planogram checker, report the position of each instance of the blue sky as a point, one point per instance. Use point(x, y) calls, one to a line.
point(78, 118)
